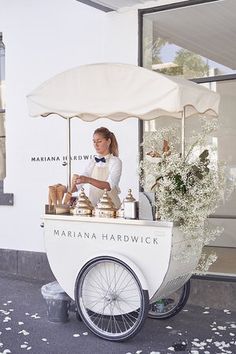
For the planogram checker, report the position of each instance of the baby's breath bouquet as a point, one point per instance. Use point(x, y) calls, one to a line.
point(187, 188)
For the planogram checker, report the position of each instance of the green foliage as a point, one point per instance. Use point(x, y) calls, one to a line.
point(192, 64)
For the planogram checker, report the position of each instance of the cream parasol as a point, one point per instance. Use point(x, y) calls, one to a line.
point(117, 92)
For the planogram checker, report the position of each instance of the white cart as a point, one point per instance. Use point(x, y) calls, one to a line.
point(115, 268)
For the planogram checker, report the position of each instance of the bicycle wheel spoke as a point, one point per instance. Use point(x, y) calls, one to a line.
point(110, 299)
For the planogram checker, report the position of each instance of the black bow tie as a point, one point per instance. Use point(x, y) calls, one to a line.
point(102, 159)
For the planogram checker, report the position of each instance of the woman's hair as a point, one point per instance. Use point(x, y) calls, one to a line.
point(107, 134)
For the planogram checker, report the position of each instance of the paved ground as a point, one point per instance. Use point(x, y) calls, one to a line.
point(24, 328)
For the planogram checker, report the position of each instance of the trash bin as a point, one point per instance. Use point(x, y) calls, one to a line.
point(58, 302)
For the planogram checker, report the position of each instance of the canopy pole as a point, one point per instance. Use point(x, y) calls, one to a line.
point(69, 154)
point(183, 134)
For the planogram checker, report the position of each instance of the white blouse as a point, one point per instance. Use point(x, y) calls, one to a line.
point(114, 166)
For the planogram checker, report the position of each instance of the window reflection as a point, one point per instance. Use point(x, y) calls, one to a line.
point(179, 42)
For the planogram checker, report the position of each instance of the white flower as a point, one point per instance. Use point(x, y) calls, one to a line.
point(187, 190)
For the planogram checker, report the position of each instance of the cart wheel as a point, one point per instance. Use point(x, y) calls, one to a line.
point(110, 299)
point(78, 315)
point(170, 306)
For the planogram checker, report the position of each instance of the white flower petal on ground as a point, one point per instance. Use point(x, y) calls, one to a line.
point(171, 348)
point(76, 335)
point(20, 323)
point(138, 352)
point(5, 312)
point(196, 344)
point(217, 344)
point(8, 329)
point(24, 332)
point(29, 348)
point(24, 346)
point(9, 301)
point(35, 316)
point(169, 327)
point(44, 339)
point(221, 328)
point(203, 344)
point(232, 334)
point(85, 333)
point(155, 352)
point(205, 312)
point(6, 319)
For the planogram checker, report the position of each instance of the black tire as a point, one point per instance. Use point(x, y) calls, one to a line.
point(170, 306)
point(110, 299)
point(77, 315)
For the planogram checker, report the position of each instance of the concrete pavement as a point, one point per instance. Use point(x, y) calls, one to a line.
point(24, 328)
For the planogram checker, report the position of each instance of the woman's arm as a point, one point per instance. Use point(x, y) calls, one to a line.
point(94, 182)
point(115, 169)
point(87, 172)
point(73, 183)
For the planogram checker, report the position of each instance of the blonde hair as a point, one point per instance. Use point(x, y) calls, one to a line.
point(107, 134)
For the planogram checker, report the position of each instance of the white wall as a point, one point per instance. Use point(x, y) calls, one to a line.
point(121, 39)
point(43, 38)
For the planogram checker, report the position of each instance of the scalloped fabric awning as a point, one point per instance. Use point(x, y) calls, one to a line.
point(120, 91)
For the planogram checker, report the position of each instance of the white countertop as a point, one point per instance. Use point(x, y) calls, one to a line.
point(77, 218)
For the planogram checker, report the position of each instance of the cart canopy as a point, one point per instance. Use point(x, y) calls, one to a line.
point(120, 91)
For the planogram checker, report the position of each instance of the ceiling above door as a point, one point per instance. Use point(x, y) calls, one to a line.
point(113, 5)
point(207, 28)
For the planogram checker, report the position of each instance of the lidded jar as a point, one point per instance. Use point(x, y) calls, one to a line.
point(130, 206)
point(105, 207)
point(83, 205)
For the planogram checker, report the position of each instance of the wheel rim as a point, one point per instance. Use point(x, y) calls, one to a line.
point(169, 305)
point(110, 299)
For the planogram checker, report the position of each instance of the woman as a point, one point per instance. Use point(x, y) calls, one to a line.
point(104, 171)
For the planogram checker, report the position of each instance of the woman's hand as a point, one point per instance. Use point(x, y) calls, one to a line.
point(74, 178)
point(82, 180)
point(73, 183)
